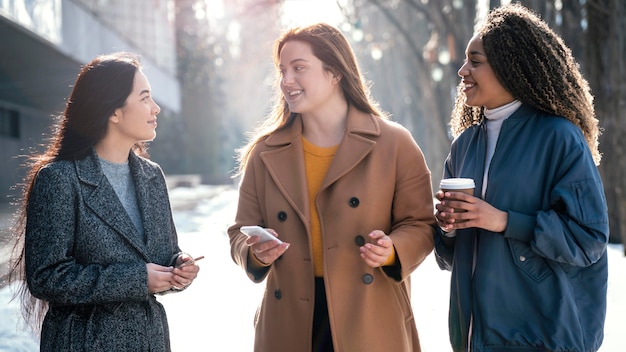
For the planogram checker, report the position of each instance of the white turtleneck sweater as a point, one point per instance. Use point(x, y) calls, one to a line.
point(494, 119)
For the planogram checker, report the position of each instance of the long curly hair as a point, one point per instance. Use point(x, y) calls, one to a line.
point(101, 87)
point(331, 47)
point(532, 63)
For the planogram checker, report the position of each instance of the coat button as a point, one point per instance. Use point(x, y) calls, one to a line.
point(359, 240)
point(282, 216)
point(353, 202)
point(277, 294)
point(522, 258)
point(368, 279)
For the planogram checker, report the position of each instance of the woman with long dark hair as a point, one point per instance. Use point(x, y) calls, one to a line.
point(95, 235)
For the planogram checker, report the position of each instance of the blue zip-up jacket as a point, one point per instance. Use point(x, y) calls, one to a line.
point(541, 284)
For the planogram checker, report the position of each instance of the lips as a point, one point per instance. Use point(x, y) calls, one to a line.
point(468, 85)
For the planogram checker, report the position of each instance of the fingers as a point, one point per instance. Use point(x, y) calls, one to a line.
point(375, 254)
point(159, 278)
point(458, 196)
point(268, 252)
point(162, 278)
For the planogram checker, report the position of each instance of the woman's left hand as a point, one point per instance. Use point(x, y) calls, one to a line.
point(185, 271)
point(375, 254)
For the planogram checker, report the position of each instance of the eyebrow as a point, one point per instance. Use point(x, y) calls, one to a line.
point(476, 52)
point(145, 91)
point(294, 61)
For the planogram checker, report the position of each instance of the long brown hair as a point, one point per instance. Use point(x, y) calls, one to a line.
point(102, 86)
point(532, 63)
point(331, 47)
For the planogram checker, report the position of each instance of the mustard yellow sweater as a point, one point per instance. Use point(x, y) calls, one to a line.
point(316, 162)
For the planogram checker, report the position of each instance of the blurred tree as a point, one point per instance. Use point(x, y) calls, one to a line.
point(196, 50)
point(224, 88)
point(606, 71)
point(412, 49)
point(253, 26)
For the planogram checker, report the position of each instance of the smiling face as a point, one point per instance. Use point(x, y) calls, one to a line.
point(136, 120)
point(482, 87)
point(306, 85)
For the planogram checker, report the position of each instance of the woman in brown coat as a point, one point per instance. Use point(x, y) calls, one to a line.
point(349, 193)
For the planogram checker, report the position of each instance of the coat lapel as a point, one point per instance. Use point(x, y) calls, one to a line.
point(147, 198)
point(100, 197)
point(354, 146)
point(289, 177)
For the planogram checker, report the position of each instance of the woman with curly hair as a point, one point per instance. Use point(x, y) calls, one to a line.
point(528, 250)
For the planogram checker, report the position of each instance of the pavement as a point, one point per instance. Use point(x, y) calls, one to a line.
point(6, 214)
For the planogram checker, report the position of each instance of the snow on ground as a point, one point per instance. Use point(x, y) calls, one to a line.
point(217, 311)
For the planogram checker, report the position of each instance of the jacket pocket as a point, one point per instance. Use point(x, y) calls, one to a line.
point(529, 262)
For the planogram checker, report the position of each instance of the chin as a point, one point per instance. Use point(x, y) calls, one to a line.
point(469, 102)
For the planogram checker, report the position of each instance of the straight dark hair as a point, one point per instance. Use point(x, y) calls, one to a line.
point(102, 86)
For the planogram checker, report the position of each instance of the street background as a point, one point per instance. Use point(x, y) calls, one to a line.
point(216, 312)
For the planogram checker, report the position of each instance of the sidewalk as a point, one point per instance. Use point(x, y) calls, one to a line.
point(6, 215)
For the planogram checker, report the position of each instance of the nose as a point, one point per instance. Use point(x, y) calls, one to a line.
point(463, 71)
point(157, 108)
point(287, 78)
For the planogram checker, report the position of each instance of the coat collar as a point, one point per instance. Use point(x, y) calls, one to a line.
point(285, 159)
point(100, 197)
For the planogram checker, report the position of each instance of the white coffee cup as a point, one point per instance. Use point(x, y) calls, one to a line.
point(465, 185)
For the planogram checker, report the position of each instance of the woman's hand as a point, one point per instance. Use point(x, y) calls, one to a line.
point(458, 210)
point(185, 272)
point(377, 253)
point(267, 252)
point(159, 277)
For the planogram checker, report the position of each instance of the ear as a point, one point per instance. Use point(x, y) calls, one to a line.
point(115, 118)
point(336, 78)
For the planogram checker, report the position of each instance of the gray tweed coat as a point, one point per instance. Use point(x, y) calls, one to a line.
point(85, 257)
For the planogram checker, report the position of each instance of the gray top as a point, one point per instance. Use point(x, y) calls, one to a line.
point(120, 178)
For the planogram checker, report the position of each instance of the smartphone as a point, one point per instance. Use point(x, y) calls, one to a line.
point(259, 231)
point(189, 262)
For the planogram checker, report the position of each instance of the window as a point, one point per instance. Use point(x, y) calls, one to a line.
point(9, 123)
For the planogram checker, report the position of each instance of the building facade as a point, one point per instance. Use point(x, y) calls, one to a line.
point(42, 47)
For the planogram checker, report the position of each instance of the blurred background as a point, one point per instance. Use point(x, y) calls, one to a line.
point(210, 66)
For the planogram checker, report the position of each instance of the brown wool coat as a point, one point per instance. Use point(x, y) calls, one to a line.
point(377, 180)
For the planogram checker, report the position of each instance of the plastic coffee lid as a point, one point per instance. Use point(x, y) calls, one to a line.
point(456, 183)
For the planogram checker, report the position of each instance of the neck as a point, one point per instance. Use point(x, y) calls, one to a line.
point(326, 128)
point(111, 151)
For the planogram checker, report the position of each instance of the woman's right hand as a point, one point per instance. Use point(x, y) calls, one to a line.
point(442, 220)
point(266, 252)
point(160, 278)
point(474, 212)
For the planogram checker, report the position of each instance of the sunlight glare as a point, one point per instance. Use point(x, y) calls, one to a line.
point(214, 8)
point(305, 12)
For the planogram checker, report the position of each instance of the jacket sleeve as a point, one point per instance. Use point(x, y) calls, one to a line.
point(412, 211)
point(248, 213)
point(574, 230)
point(52, 272)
